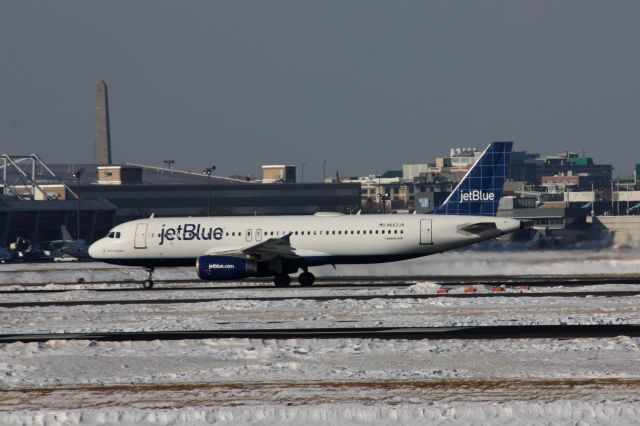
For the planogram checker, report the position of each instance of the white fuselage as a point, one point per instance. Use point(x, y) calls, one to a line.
point(316, 239)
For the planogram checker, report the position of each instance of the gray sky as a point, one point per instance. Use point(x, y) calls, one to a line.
point(367, 85)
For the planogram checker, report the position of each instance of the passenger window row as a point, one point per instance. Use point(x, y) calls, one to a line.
point(116, 235)
point(340, 232)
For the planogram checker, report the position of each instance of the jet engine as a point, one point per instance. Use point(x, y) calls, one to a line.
point(226, 268)
point(214, 268)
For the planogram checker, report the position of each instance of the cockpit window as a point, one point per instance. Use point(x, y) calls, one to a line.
point(117, 235)
point(111, 235)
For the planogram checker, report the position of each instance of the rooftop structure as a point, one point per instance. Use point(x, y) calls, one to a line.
point(278, 174)
point(148, 175)
point(464, 157)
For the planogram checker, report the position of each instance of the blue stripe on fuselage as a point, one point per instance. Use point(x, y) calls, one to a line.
point(304, 261)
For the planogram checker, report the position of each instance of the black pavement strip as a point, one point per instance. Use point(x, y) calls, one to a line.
point(412, 333)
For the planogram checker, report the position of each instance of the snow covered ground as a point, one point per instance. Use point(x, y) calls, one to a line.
point(323, 382)
point(297, 313)
point(329, 382)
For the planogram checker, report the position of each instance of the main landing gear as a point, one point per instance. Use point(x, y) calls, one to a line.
point(305, 279)
point(148, 283)
point(282, 280)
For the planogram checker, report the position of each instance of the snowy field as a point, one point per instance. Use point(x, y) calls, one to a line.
point(296, 313)
point(322, 382)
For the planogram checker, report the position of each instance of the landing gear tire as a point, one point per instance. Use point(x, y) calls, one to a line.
point(282, 280)
point(306, 279)
point(148, 283)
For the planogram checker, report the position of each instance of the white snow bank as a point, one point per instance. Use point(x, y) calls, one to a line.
point(86, 362)
point(425, 287)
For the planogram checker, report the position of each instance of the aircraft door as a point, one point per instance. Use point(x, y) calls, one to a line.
point(426, 231)
point(249, 234)
point(258, 234)
point(141, 236)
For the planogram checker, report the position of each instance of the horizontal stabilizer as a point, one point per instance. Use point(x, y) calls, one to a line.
point(481, 229)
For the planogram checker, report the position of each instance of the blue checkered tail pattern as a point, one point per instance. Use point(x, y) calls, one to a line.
point(479, 192)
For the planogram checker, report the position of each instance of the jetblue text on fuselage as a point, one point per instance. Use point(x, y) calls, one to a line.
point(476, 195)
point(190, 232)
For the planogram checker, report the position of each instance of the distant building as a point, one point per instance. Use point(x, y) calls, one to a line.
point(532, 168)
point(412, 171)
point(523, 167)
point(561, 183)
point(278, 174)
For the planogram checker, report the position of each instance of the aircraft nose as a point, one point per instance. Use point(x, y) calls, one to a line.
point(94, 249)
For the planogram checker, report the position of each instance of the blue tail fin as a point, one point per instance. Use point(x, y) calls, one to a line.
point(478, 193)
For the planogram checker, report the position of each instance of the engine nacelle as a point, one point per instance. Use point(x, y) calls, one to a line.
point(225, 268)
point(214, 268)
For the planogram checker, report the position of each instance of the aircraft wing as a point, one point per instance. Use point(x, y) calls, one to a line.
point(265, 250)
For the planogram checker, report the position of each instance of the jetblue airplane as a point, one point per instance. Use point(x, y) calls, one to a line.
point(229, 248)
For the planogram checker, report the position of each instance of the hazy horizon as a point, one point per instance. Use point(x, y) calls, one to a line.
point(366, 85)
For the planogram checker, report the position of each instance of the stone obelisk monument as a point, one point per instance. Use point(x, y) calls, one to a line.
point(102, 132)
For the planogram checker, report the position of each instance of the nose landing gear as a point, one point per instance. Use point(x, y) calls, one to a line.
point(148, 283)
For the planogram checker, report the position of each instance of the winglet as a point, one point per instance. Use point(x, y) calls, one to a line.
point(287, 238)
point(479, 192)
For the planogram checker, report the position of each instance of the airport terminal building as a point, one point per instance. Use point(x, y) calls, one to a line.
point(106, 195)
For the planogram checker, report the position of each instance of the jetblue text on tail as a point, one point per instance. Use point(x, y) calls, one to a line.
point(476, 195)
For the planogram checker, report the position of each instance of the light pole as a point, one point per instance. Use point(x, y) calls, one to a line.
point(612, 209)
point(593, 201)
point(77, 174)
point(209, 171)
point(324, 170)
point(627, 198)
point(303, 172)
point(169, 163)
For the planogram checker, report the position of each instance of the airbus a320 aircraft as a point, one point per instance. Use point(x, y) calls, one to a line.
point(229, 248)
